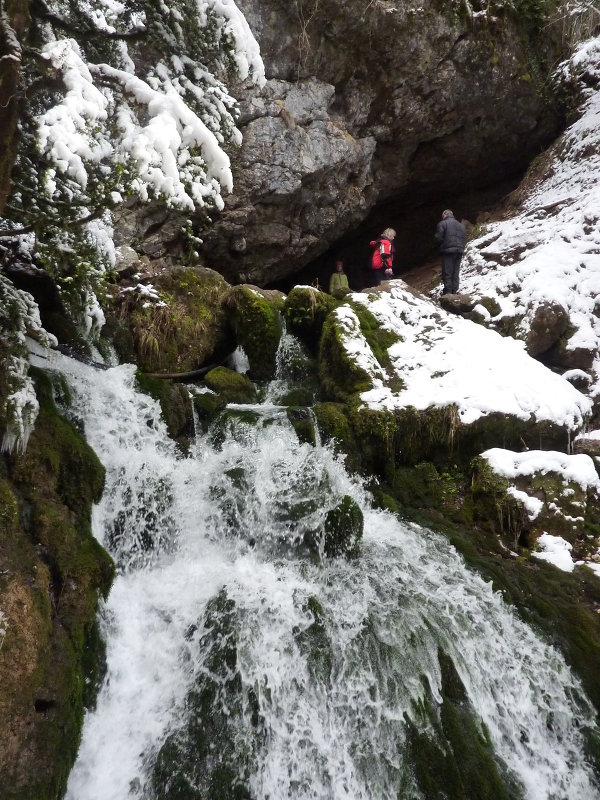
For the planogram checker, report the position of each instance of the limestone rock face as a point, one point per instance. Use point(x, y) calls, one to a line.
point(365, 104)
point(368, 104)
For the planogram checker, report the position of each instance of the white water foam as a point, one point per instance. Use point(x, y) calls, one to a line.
point(340, 735)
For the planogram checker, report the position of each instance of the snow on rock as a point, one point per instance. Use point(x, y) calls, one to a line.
point(356, 345)
point(19, 318)
point(555, 550)
point(549, 253)
point(443, 359)
point(558, 492)
point(579, 468)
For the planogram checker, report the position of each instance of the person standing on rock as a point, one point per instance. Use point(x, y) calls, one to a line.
point(383, 256)
point(338, 282)
point(451, 235)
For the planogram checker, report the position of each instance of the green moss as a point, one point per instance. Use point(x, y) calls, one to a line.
point(56, 570)
point(343, 529)
point(233, 386)
point(340, 375)
point(334, 424)
point(314, 642)
point(209, 757)
point(493, 508)
point(257, 326)
point(175, 404)
point(299, 396)
point(457, 762)
point(303, 423)
point(424, 486)
point(9, 510)
point(188, 329)
point(376, 436)
point(208, 407)
point(378, 338)
point(305, 310)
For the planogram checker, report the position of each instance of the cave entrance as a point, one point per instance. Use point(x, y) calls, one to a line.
point(416, 260)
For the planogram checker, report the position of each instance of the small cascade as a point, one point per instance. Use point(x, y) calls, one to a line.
point(235, 660)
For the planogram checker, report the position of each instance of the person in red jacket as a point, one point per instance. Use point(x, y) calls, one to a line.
point(383, 256)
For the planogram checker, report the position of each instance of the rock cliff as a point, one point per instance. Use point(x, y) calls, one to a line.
point(365, 104)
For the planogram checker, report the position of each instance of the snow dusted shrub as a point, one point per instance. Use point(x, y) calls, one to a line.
point(123, 100)
point(19, 317)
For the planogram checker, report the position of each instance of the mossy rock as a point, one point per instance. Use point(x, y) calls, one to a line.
point(188, 329)
point(426, 487)
point(257, 324)
point(233, 386)
point(376, 436)
point(303, 423)
point(341, 377)
point(450, 750)
point(212, 754)
point(300, 396)
point(208, 406)
point(55, 572)
point(491, 305)
point(378, 338)
point(493, 508)
point(305, 310)
point(563, 606)
point(343, 529)
point(314, 642)
point(175, 404)
point(334, 426)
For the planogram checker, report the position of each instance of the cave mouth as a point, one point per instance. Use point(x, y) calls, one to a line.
point(416, 258)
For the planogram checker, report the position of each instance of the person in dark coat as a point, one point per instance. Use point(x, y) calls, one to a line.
point(451, 236)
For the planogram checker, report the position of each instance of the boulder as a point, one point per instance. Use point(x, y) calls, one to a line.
point(546, 325)
point(235, 388)
point(256, 321)
point(457, 303)
point(343, 529)
point(53, 574)
point(537, 492)
point(176, 324)
point(305, 310)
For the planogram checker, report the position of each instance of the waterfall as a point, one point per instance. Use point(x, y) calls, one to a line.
point(322, 675)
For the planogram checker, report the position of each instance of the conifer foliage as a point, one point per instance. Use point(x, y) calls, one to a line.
point(115, 100)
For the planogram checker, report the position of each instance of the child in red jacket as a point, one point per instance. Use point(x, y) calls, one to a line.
point(383, 256)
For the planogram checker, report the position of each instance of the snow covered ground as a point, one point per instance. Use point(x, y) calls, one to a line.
point(547, 253)
point(550, 251)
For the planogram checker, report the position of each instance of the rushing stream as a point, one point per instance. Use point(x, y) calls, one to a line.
point(311, 680)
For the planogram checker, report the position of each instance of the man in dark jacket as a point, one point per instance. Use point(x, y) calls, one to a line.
point(451, 236)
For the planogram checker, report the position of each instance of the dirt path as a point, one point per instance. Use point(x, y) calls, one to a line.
point(425, 277)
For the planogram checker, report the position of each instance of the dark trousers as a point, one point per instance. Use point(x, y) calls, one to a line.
point(378, 276)
point(450, 272)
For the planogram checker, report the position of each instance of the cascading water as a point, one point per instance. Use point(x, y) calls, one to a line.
point(239, 668)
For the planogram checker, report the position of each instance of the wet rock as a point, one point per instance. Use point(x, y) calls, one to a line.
point(257, 324)
point(457, 303)
point(53, 574)
point(546, 492)
point(305, 309)
point(233, 386)
point(343, 529)
point(175, 403)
